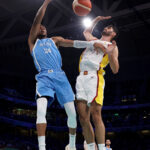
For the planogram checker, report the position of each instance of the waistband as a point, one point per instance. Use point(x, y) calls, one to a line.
point(92, 72)
point(88, 72)
point(51, 70)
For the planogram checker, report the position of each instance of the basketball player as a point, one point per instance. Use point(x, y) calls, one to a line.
point(108, 143)
point(51, 79)
point(90, 82)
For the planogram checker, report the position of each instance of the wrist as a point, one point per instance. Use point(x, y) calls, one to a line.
point(46, 3)
point(99, 18)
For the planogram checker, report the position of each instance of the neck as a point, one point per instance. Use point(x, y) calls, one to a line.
point(41, 37)
point(108, 146)
point(105, 38)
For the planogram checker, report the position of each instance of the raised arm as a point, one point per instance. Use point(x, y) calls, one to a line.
point(88, 31)
point(37, 23)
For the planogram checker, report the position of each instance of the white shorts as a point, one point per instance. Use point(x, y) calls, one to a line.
point(90, 87)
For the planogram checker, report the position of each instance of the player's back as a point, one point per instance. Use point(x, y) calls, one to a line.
point(46, 55)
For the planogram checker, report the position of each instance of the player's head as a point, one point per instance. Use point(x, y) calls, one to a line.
point(108, 142)
point(110, 31)
point(42, 32)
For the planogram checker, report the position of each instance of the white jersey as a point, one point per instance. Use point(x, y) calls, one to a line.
point(90, 59)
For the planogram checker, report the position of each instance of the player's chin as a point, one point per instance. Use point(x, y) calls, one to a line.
point(43, 33)
point(41, 36)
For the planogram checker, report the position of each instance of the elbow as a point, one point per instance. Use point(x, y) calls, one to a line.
point(116, 70)
point(84, 33)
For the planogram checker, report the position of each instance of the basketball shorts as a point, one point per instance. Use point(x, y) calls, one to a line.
point(50, 83)
point(90, 87)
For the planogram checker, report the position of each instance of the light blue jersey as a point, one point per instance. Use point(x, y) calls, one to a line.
point(46, 55)
point(51, 79)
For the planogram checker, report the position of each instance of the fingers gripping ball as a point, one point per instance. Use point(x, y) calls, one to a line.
point(82, 7)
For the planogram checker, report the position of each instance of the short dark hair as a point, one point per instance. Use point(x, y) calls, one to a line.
point(114, 28)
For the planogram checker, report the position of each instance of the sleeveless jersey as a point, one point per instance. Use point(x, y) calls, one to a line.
point(91, 61)
point(46, 55)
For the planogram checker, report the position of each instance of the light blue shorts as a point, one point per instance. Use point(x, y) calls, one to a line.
point(49, 83)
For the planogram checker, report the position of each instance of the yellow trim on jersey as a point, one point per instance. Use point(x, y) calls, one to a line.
point(80, 61)
point(100, 90)
point(101, 82)
point(103, 64)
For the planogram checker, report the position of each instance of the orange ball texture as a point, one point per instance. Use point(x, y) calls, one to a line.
point(82, 7)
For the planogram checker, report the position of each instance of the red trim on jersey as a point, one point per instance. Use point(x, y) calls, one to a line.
point(97, 81)
point(97, 88)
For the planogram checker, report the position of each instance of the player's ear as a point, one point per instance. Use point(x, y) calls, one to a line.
point(114, 34)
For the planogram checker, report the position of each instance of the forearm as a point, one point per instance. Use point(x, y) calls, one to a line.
point(82, 44)
point(75, 43)
point(114, 63)
point(40, 14)
point(94, 23)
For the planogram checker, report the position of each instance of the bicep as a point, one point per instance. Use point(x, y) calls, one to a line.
point(57, 40)
point(33, 33)
point(114, 56)
point(116, 52)
point(60, 41)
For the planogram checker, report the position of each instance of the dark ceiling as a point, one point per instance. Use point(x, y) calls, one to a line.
point(132, 18)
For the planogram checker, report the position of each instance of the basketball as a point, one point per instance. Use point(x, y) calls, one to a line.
point(82, 7)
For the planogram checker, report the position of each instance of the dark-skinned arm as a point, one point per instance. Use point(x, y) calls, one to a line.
point(60, 41)
point(37, 23)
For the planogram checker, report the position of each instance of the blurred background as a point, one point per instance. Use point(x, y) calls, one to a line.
point(126, 111)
